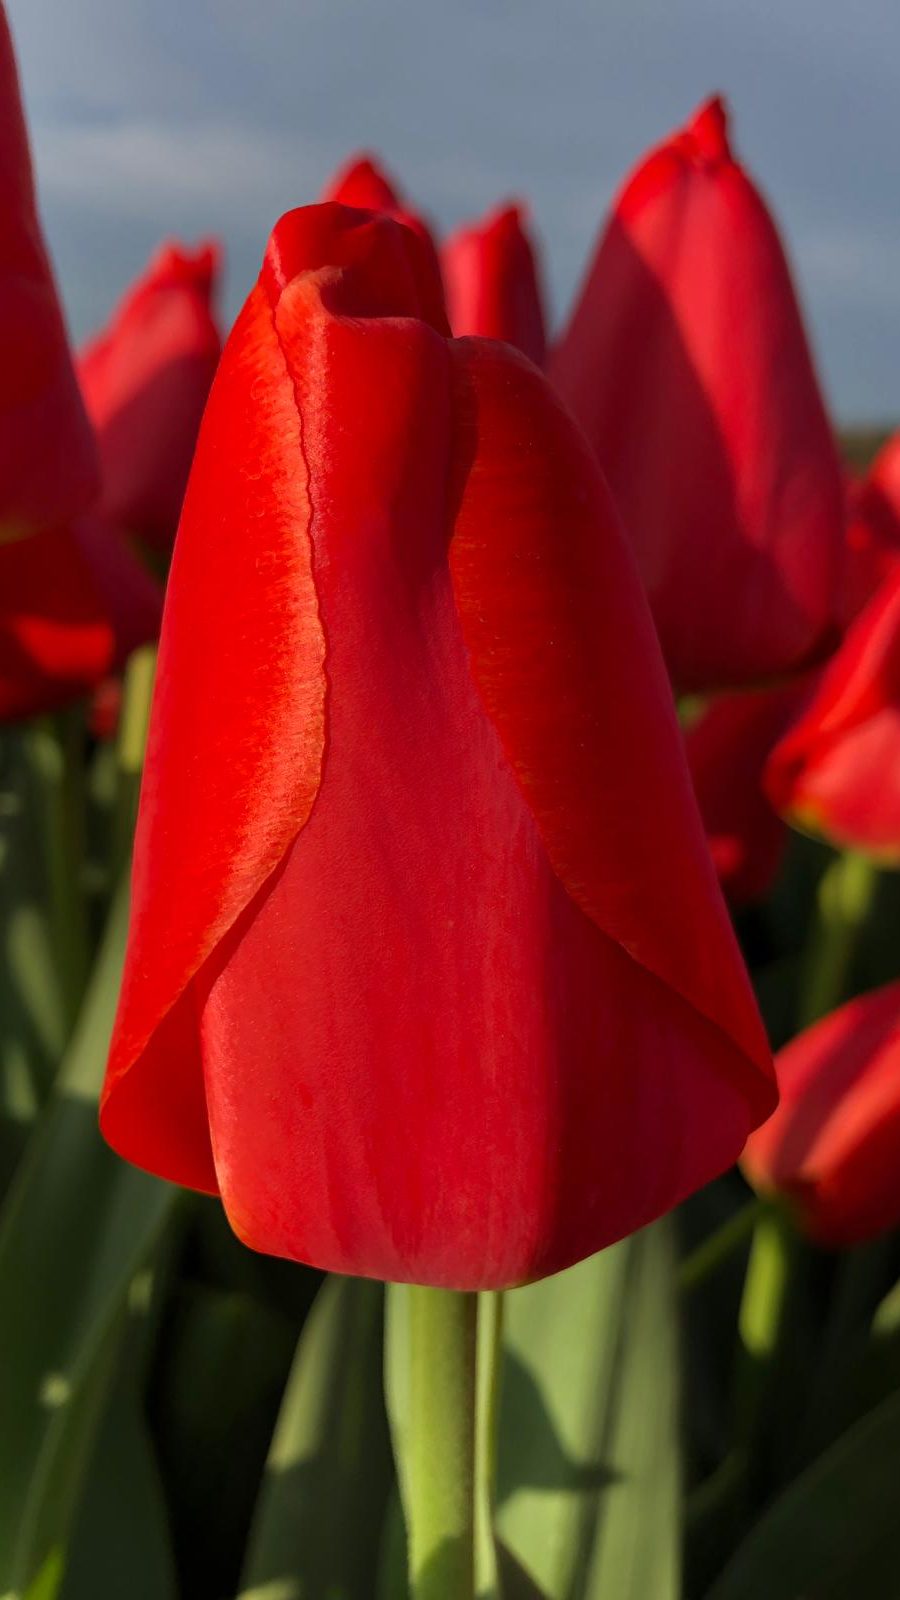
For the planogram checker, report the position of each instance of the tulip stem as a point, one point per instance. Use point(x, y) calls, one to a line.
point(761, 1320)
point(56, 756)
point(487, 1411)
point(844, 899)
point(437, 1441)
point(137, 694)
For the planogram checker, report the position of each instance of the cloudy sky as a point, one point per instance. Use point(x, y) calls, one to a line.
point(194, 116)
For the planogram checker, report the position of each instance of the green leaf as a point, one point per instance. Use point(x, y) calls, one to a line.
point(76, 1226)
point(589, 1455)
point(120, 1545)
point(222, 1362)
point(835, 1531)
point(321, 1510)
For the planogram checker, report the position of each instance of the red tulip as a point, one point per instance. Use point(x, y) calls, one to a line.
point(364, 184)
point(873, 534)
point(837, 772)
point(686, 363)
point(145, 380)
point(727, 748)
point(832, 1149)
point(74, 603)
point(451, 996)
point(48, 466)
point(493, 289)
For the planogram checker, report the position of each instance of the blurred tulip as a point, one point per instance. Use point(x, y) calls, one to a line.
point(451, 997)
point(145, 381)
point(493, 289)
point(74, 603)
point(873, 533)
point(48, 465)
point(837, 771)
point(686, 363)
point(832, 1149)
point(727, 749)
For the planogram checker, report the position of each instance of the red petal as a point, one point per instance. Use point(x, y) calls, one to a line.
point(48, 467)
point(837, 771)
point(145, 380)
point(56, 639)
point(833, 1146)
point(493, 290)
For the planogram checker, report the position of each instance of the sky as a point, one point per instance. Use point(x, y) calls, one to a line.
point(189, 117)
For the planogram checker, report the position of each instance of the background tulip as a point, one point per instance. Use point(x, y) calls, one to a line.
point(492, 284)
point(727, 748)
point(48, 467)
point(451, 998)
point(74, 602)
point(145, 380)
point(837, 771)
point(832, 1148)
point(686, 363)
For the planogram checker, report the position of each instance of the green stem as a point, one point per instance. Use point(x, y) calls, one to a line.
point(137, 694)
point(761, 1317)
point(844, 899)
point(55, 755)
point(440, 1477)
point(719, 1246)
point(487, 1411)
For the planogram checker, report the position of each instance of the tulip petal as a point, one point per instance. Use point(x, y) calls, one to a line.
point(48, 466)
point(832, 1148)
point(236, 740)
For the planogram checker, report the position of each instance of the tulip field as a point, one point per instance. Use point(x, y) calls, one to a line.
point(449, 915)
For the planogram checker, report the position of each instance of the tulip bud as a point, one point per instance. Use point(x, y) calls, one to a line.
point(836, 772)
point(832, 1148)
point(145, 380)
point(452, 996)
point(493, 289)
point(74, 602)
point(686, 363)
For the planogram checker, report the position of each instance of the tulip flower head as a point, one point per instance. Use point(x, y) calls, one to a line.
point(493, 289)
point(832, 1148)
point(145, 380)
point(74, 602)
point(836, 772)
point(451, 996)
point(48, 464)
point(686, 363)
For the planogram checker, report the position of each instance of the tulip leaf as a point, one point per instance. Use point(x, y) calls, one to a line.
point(835, 1531)
point(321, 1509)
point(589, 1454)
point(76, 1226)
point(120, 1544)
